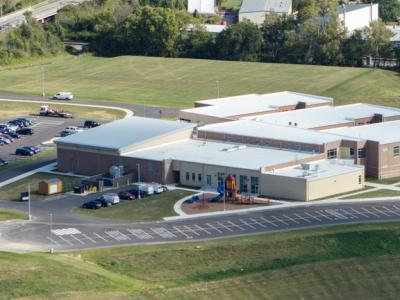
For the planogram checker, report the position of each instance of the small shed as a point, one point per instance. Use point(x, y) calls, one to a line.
point(50, 186)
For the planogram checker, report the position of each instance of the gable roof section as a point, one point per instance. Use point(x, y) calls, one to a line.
point(278, 6)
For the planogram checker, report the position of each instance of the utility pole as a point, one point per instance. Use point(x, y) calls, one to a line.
point(29, 202)
point(138, 166)
point(43, 91)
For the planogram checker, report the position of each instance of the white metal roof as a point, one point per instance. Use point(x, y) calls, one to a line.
point(121, 134)
point(220, 154)
point(326, 115)
point(353, 7)
point(278, 6)
point(395, 29)
point(213, 28)
point(256, 129)
point(384, 133)
point(319, 169)
point(254, 103)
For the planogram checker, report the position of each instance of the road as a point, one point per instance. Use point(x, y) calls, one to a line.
point(68, 231)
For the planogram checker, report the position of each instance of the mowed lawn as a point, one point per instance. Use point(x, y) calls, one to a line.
point(6, 215)
point(149, 208)
point(179, 82)
point(341, 262)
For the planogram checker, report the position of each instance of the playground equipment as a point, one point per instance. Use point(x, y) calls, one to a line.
point(230, 188)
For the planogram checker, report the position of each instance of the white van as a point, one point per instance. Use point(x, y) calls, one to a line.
point(158, 188)
point(111, 198)
point(73, 128)
point(63, 96)
point(145, 188)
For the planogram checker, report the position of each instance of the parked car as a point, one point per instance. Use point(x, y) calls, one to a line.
point(158, 188)
point(103, 202)
point(112, 198)
point(73, 128)
point(63, 96)
point(25, 131)
point(92, 205)
point(34, 149)
point(24, 152)
point(91, 124)
point(12, 134)
point(5, 140)
point(3, 162)
point(126, 196)
point(65, 133)
point(12, 127)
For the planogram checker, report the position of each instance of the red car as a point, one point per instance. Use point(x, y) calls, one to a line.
point(126, 196)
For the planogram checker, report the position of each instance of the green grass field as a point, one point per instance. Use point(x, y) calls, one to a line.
point(235, 4)
point(341, 262)
point(6, 215)
point(13, 190)
point(146, 209)
point(179, 82)
point(387, 181)
point(375, 194)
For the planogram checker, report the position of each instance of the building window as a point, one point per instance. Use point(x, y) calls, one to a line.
point(243, 184)
point(221, 179)
point(396, 151)
point(362, 153)
point(254, 185)
point(352, 153)
point(150, 167)
point(199, 177)
point(208, 180)
point(187, 176)
point(193, 176)
point(359, 179)
point(332, 153)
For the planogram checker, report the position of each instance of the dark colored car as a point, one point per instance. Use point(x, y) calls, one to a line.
point(3, 162)
point(18, 123)
point(34, 149)
point(25, 131)
point(92, 205)
point(12, 134)
point(26, 122)
point(91, 124)
point(135, 192)
point(126, 196)
point(24, 152)
point(103, 202)
point(65, 133)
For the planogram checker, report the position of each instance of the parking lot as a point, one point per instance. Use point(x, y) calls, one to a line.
point(45, 129)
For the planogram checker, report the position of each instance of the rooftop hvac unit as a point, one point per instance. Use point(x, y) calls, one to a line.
point(306, 167)
point(305, 173)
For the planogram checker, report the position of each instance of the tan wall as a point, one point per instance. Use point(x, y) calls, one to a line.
point(282, 187)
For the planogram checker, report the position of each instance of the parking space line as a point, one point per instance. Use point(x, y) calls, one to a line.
point(163, 232)
point(280, 220)
point(140, 234)
point(226, 227)
point(100, 237)
point(370, 212)
point(258, 223)
point(290, 219)
point(391, 211)
point(396, 207)
point(247, 224)
point(235, 225)
point(338, 215)
point(74, 237)
point(117, 235)
point(213, 227)
point(201, 228)
point(269, 222)
point(379, 211)
point(345, 212)
point(53, 241)
point(65, 240)
point(89, 238)
point(182, 232)
point(359, 213)
point(191, 230)
point(312, 216)
point(322, 215)
point(301, 218)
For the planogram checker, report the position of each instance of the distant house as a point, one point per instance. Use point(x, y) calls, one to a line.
point(202, 6)
point(212, 28)
point(358, 16)
point(255, 10)
point(395, 29)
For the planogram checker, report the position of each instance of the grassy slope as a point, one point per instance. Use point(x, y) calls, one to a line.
point(6, 215)
point(13, 190)
point(384, 181)
point(178, 82)
point(375, 194)
point(150, 208)
point(345, 262)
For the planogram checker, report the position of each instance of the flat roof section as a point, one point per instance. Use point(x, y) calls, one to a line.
point(384, 133)
point(231, 155)
point(319, 169)
point(326, 115)
point(255, 129)
point(121, 134)
point(254, 103)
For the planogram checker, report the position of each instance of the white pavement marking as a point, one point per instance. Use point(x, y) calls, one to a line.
point(381, 212)
point(140, 233)
point(226, 227)
point(65, 231)
point(359, 213)
point(75, 238)
point(280, 220)
point(370, 212)
point(291, 219)
point(202, 229)
point(269, 222)
point(346, 212)
point(258, 223)
point(396, 207)
point(235, 225)
point(312, 216)
point(191, 230)
point(334, 213)
point(65, 240)
point(117, 235)
point(213, 227)
point(183, 233)
point(391, 211)
point(163, 232)
point(100, 237)
point(301, 218)
point(53, 241)
point(247, 224)
point(322, 215)
point(89, 238)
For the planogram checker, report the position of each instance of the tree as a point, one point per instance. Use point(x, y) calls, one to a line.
point(354, 49)
point(378, 39)
point(198, 44)
point(241, 41)
point(389, 10)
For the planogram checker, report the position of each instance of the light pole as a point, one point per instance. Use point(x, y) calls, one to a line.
point(29, 202)
point(43, 91)
point(138, 167)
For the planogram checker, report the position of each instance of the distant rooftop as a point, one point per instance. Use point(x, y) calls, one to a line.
point(125, 133)
point(278, 6)
point(319, 169)
point(384, 133)
point(254, 103)
point(352, 7)
point(271, 131)
point(220, 154)
point(326, 115)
